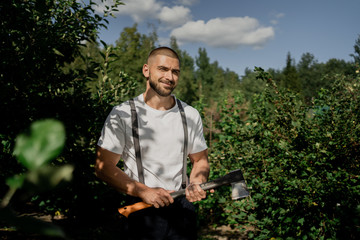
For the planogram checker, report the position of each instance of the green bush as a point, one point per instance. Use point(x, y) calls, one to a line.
point(39, 39)
point(301, 162)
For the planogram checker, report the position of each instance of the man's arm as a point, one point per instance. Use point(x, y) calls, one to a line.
point(199, 174)
point(106, 170)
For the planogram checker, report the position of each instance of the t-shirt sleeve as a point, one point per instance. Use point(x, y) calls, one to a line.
point(198, 143)
point(112, 136)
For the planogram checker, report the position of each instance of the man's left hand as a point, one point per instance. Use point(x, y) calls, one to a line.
point(194, 192)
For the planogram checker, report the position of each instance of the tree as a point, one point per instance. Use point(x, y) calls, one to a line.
point(291, 80)
point(250, 85)
point(132, 49)
point(356, 55)
point(204, 74)
point(231, 79)
point(88, 61)
point(310, 75)
point(38, 38)
point(338, 66)
point(186, 89)
point(36, 43)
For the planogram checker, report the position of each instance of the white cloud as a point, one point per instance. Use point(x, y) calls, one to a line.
point(280, 15)
point(175, 16)
point(277, 16)
point(187, 2)
point(142, 10)
point(139, 10)
point(229, 32)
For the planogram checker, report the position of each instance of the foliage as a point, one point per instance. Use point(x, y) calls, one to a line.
point(291, 80)
point(204, 73)
point(250, 85)
point(224, 157)
point(34, 151)
point(52, 67)
point(356, 54)
point(132, 49)
point(301, 163)
point(310, 70)
point(112, 91)
point(187, 86)
point(39, 39)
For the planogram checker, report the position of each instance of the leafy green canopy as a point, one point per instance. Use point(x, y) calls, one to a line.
point(301, 162)
point(37, 38)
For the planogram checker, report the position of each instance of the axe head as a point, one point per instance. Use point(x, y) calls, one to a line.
point(239, 190)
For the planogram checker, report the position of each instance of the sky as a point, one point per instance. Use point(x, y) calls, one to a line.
point(241, 34)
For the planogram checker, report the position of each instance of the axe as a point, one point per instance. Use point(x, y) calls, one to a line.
point(235, 178)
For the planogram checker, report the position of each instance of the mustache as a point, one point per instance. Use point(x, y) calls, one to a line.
point(167, 81)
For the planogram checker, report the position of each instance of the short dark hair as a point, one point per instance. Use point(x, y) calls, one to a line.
point(157, 50)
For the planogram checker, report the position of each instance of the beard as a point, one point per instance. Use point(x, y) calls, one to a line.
point(160, 90)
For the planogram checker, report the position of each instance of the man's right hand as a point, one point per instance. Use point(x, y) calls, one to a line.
point(158, 197)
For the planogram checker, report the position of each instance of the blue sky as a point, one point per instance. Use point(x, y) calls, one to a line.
point(242, 34)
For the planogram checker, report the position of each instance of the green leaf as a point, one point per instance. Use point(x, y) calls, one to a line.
point(45, 142)
point(15, 181)
point(57, 52)
point(47, 177)
point(301, 221)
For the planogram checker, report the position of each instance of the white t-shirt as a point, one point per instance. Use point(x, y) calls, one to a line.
point(161, 137)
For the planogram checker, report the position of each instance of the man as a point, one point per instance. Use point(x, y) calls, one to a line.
point(161, 131)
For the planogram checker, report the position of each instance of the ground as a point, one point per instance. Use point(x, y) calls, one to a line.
point(107, 230)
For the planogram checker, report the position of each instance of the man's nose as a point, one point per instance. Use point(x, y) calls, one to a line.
point(169, 75)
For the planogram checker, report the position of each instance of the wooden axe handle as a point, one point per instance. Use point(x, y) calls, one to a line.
point(127, 210)
point(232, 177)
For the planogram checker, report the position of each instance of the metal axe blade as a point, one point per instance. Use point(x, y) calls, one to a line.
point(239, 190)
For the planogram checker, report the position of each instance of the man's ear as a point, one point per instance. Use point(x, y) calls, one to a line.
point(145, 70)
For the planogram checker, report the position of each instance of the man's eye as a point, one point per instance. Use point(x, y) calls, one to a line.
point(163, 69)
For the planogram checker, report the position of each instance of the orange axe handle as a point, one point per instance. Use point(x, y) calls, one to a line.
point(133, 208)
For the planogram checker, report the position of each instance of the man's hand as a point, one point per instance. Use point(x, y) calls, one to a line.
point(194, 192)
point(158, 197)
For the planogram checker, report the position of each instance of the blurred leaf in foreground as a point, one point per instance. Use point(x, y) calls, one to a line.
point(44, 142)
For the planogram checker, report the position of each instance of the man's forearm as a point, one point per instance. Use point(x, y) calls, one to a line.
point(106, 170)
point(199, 174)
point(201, 168)
point(116, 178)
point(200, 171)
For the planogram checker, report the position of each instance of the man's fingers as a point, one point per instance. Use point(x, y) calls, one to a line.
point(200, 191)
point(163, 198)
point(158, 197)
point(195, 193)
point(165, 201)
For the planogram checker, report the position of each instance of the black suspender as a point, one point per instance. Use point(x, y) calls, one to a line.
point(183, 117)
point(135, 131)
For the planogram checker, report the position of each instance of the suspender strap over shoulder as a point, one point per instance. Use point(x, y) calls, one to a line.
point(183, 117)
point(135, 132)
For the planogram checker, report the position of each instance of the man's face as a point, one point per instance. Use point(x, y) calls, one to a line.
point(162, 73)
